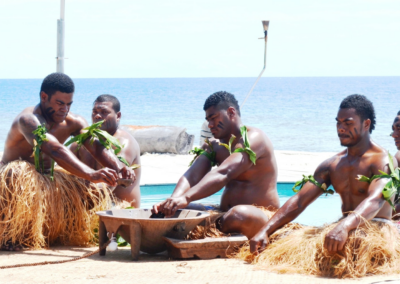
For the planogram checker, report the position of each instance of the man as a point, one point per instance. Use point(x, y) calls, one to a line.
point(245, 182)
point(361, 200)
point(107, 108)
point(396, 135)
point(56, 97)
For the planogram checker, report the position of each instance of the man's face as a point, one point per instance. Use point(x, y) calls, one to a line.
point(218, 122)
point(350, 128)
point(396, 131)
point(57, 106)
point(104, 111)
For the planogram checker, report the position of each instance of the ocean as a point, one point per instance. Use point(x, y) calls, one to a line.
point(297, 114)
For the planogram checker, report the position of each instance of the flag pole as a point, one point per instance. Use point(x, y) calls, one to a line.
point(61, 38)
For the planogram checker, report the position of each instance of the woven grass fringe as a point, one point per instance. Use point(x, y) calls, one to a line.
point(36, 212)
point(209, 228)
point(371, 249)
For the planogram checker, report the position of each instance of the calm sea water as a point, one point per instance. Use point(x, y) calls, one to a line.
point(330, 205)
point(296, 113)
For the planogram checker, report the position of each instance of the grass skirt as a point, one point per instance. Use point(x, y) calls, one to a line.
point(37, 212)
point(371, 249)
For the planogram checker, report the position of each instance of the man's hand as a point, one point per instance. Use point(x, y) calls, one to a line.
point(105, 175)
point(156, 208)
point(259, 242)
point(127, 173)
point(171, 205)
point(335, 239)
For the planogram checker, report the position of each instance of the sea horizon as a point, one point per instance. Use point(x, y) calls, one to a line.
point(296, 113)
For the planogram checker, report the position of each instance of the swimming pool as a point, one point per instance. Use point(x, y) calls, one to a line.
point(326, 209)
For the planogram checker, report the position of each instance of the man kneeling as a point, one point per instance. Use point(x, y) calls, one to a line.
point(40, 205)
point(107, 108)
point(248, 174)
point(346, 248)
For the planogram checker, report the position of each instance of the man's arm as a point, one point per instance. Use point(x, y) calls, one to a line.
point(62, 155)
point(292, 208)
point(104, 156)
point(397, 157)
point(366, 210)
point(131, 153)
point(231, 168)
point(201, 166)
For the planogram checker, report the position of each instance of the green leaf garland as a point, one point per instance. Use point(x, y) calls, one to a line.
point(246, 149)
point(198, 151)
point(311, 179)
point(392, 187)
point(107, 140)
point(40, 137)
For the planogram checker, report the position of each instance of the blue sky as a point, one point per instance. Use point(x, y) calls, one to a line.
point(186, 38)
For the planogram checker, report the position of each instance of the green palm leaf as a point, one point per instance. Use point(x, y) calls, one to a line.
point(311, 179)
point(198, 151)
point(40, 137)
point(393, 185)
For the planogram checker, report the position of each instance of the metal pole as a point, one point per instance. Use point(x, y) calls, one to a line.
point(61, 39)
point(265, 26)
point(205, 131)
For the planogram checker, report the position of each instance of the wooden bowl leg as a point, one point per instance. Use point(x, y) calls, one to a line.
point(136, 236)
point(102, 237)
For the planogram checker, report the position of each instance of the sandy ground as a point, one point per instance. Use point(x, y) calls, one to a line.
point(117, 267)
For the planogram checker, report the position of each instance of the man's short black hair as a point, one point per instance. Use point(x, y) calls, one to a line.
point(109, 98)
point(363, 107)
point(223, 99)
point(398, 113)
point(57, 82)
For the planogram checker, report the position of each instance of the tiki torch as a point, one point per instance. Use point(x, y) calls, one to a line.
point(205, 131)
point(265, 26)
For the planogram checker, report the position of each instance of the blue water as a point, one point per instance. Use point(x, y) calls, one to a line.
point(326, 209)
point(296, 113)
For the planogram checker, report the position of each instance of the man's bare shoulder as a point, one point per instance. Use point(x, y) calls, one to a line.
point(127, 139)
point(75, 122)
point(378, 158)
point(28, 112)
point(259, 141)
point(397, 156)
point(331, 162)
point(74, 119)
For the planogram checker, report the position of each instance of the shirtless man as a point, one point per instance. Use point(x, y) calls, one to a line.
point(355, 122)
point(396, 135)
point(244, 182)
point(56, 96)
point(107, 108)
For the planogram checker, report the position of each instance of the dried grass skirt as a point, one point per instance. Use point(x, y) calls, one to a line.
point(37, 212)
point(371, 249)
